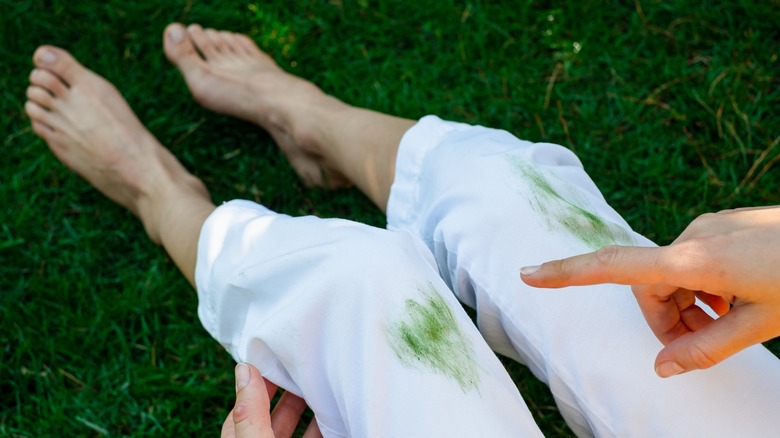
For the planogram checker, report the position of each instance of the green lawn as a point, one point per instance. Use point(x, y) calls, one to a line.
point(672, 106)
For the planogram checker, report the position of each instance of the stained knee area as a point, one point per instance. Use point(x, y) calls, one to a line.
point(427, 336)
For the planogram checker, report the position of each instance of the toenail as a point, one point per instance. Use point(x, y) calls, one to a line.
point(175, 35)
point(47, 57)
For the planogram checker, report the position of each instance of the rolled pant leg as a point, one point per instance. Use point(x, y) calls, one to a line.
point(355, 320)
point(487, 204)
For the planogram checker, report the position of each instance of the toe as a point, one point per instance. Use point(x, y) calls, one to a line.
point(180, 50)
point(38, 114)
point(59, 62)
point(40, 96)
point(202, 41)
point(216, 40)
point(48, 81)
point(247, 44)
point(228, 42)
point(42, 130)
point(232, 42)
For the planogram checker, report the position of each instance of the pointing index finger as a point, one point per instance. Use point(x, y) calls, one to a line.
point(611, 264)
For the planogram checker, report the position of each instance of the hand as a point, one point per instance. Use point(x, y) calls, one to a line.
point(727, 257)
point(251, 417)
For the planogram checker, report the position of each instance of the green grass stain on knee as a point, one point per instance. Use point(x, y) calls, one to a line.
point(563, 212)
point(591, 229)
point(429, 336)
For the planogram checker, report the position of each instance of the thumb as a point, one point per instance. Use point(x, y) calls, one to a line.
point(712, 343)
point(611, 264)
point(251, 415)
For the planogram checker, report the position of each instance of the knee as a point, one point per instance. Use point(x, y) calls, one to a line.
point(381, 254)
point(326, 259)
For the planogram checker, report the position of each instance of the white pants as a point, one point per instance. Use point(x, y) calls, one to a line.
point(360, 321)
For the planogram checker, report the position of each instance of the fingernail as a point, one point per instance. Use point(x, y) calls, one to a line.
point(175, 35)
point(242, 376)
point(668, 369)
point(47, 57)
point(529, 270)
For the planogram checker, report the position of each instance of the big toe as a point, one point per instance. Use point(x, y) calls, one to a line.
point(180, 50)
point(59, 62)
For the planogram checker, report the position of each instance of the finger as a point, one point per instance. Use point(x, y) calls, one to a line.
point(663, 311)
point(270, 388)
point(718, 304)
point(228, 427)
point(710, 345)
point(693, 316)
point(611, 264)
point(251, 413)
point(313, 431)
point(287, 414)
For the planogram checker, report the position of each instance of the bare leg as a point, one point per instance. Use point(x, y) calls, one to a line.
point(91, 129)
point(328, 142)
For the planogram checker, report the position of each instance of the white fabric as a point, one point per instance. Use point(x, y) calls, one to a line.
point(486, 204)
point(355, 320)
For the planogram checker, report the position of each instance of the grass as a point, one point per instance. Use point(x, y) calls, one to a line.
point(671, 105)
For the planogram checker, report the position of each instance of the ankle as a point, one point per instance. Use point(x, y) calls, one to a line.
point(169, 186)
point(311, 126)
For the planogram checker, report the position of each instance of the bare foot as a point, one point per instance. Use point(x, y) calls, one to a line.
point(91, 129)
point(227, 73)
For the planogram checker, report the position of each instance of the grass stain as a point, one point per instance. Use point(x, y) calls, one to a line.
point(429, 336)
point(587, 227)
